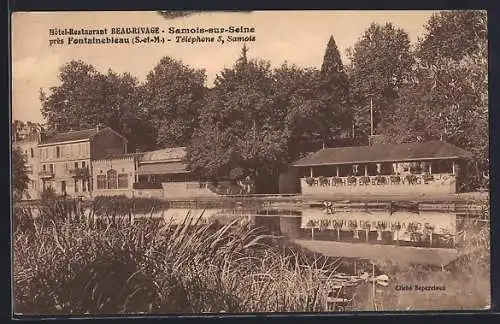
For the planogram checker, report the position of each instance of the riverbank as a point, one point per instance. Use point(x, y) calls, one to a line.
point(299, 200)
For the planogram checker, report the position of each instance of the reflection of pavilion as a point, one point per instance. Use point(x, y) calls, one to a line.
point(430, 167)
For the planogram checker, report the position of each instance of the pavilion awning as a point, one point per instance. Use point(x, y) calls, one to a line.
point(162, 168)
point(431, 150)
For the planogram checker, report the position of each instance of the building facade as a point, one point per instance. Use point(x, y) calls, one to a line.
point(432, 167)
point(65, 162)
point(155, 174)
point(164, 173)
point(115, 174)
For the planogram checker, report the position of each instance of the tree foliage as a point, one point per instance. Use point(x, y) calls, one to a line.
point(447, 97)
point(299, 110)
point(256, 116)
point(334, 90)
point(454, 35)
point(20, 179)
point(381, 64)
point(173, 97)
point(86, 98)
point(238, 125)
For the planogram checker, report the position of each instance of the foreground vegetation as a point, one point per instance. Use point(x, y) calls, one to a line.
point(82, 267)
point(108, 265)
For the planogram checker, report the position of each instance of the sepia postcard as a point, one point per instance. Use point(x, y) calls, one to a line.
point(237, 162)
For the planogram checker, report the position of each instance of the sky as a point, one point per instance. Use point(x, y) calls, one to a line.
point(297, 37)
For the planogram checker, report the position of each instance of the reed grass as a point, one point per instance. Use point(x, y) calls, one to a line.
point(64, 265)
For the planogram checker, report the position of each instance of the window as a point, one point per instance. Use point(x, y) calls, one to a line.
point(111, 179)
point(123, 181)
point(58, 152)
point(44, 167)
point(76, 165)
point(32, 151)
point(51, 168)
point(101, 182)
point(65, 166)
point(76, 185)
point(83, 164)
point(84, 188)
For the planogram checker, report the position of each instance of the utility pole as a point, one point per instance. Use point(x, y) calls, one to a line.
point(371, 116)
point(371, 121)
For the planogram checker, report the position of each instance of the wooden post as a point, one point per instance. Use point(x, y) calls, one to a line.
point(454, 167)
point(311, 172)
point(312, 232)
point(338, 171)
point(366, 170)
point(430, 167)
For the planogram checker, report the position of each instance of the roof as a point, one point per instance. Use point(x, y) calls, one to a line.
point(78, 135)
point(122, 156)
point(167, 154)
point(430, 150)
point(162, 168)
point(70, 136)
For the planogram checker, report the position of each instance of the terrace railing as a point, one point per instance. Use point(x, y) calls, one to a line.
point(411, 179)
point(46, 174)
point(147, 185)
point(80, 172)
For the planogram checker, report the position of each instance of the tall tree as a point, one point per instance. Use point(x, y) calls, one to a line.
point(448, 96)
point(174, 95)
point(298, 108)
point(238, 125)
point(20, 178)
point(87, 97)
point(454, 35)
point(334, 90)
point(381, 64)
